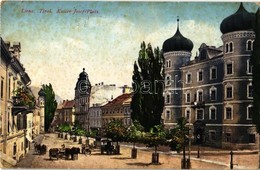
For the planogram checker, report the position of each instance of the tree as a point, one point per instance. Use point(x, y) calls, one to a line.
point(50, 105)
point(148, 83)
point(116, 131)
point(179, 137)
point(64, 127)
point(155, 137)
point(256, 74)
point(134, 132)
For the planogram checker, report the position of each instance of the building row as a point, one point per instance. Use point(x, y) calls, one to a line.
point(21, 113)
point(94, 107)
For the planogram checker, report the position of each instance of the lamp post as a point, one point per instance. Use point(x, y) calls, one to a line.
point(188, 161)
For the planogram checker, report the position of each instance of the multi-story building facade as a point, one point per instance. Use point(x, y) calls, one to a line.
point(14, 109)
point(117, 109)
point(95, 117)
point(82, 100)
point(214, 91)
point(67, 112)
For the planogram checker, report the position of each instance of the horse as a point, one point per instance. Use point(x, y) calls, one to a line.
point(54, 152)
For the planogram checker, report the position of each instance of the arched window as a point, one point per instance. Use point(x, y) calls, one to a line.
point(168, 80)
point(168, 98)
point(200, 95)
point(229, 91)
point(188, 96)
point(226, 47)
point(249, 112)
point(212, 113)
point(228, 113)
point(168, 115)
point(188, 114)
point(249, 45)
point(231, 47)
point(213, 93)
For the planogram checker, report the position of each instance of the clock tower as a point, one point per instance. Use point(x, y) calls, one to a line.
point(41, 104)
point(82, 96)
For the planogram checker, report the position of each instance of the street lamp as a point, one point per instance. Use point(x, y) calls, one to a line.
point(188, 161)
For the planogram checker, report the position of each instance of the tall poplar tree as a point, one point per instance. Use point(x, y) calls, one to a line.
point(50, 105)
point(148, 84)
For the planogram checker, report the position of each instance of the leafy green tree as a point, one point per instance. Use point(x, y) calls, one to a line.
point(156, 137)
point(178, 137)
point(64, 127)
point(50, 105)
point(135, 132)
point(116, 131)
point(148, 83)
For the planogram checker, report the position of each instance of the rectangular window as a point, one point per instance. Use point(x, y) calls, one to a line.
point(229, 68)
point(200, 76)
point(188, 98)
point(213, 73)
point(251, 138)
point(250, 91)
point(213, 114)
point(200, 115)
point(228, 113)
point(249, 113)
point(168, 115)
point(168, 64)
point(2, 88)
point(213, 95)
point(188, 78)
point(249, 67)
point(228, 137)
point(168, 98)
point(187, 115)
point(200, 96)
point(212, 135)
point(229, 92)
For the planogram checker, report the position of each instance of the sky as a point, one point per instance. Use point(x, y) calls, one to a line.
point(102, 37)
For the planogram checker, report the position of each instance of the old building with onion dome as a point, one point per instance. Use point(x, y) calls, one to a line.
point(82, 99)
point(214, 90)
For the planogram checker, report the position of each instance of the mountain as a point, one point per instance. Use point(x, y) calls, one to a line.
point(35, 91)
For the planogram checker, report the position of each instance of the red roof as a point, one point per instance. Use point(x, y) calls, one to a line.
point(68, 104)
point(119, 100)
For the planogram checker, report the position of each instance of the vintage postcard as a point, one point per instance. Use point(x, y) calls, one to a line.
point(129, 85)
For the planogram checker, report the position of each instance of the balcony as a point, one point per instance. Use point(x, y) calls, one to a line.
point(198, 104)
point(23, 101)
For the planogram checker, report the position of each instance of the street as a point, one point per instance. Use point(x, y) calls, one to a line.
point(96, 160)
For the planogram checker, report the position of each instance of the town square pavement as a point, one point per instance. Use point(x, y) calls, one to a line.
point(122, 161)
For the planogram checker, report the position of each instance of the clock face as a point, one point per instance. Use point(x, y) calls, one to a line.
point(83, 87)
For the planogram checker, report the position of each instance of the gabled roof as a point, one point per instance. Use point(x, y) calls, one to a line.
point(69, 104)
point(119, 101)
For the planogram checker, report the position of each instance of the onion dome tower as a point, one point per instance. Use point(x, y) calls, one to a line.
point(238, 39)
point(176, 52)
point(241, 20)
point(177, 42)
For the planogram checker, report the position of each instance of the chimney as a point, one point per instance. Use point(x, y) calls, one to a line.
point(17, 49)
point(124, 89)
